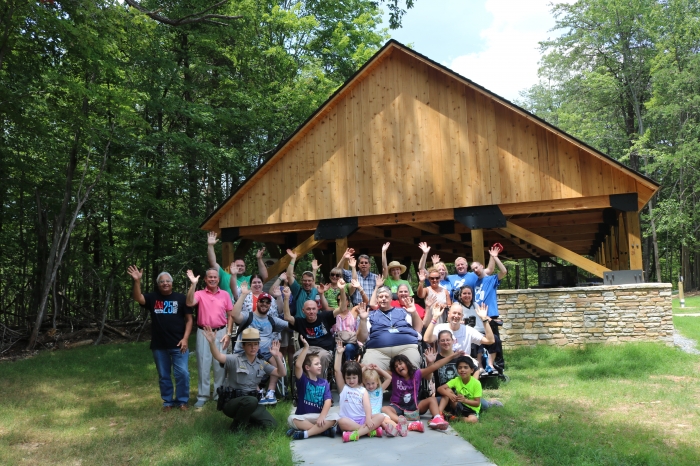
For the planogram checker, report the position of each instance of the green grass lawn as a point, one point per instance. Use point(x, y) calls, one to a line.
point(632, 404)
point(688, 326)
point(692, 305)
point(101, 405)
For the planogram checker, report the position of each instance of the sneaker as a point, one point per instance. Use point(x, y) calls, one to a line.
point(298, 435)
point(379, 431)
point(495, 404)
point(350, 436)
point(200, 404)
point(438, 423)
point(269, 399)
point(403, 426)
point(328, 432)
point(290, 432)
point(184, 408)
point(416, 426)
point(390, 430)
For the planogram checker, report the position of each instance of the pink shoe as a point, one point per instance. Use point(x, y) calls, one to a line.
point(403, 426)
point(438, 423)
point(379, 431)
point(416, 426)
point(350, 436)
point(390, 430)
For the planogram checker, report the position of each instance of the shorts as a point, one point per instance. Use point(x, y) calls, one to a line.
point(465, 411)
point(311, 417)
point(402, 412)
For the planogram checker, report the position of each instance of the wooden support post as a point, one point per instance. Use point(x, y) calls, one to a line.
point(608, 256)
point(242, 249)
point(614, 250)
point(226, 255)
point(341, 245)
point(622, 244)
point(602, 254)
point(281, 265)
point(634, 239)
point(555, 249)
point(478, 246)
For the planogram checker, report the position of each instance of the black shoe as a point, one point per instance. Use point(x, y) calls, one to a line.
point(329, 432)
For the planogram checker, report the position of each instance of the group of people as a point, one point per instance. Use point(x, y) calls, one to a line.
point(356, 312)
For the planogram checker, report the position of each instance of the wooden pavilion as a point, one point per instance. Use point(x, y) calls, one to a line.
point(407, 151)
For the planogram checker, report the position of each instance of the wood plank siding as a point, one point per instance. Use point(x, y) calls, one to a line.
point(406, 136)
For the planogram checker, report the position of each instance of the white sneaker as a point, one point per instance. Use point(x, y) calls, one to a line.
point(269, 399)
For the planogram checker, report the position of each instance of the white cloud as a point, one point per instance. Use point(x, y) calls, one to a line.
point(510, 59)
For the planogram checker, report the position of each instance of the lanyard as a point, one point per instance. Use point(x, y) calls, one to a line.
point(389, 316)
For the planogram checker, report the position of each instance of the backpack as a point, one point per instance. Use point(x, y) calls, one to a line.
point(247, 323)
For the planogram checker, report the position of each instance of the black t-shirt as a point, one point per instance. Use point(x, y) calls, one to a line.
point(317, 333)
point(167, 318)
point(445, 373)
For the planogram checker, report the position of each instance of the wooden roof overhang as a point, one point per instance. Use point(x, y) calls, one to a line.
point(358, 159)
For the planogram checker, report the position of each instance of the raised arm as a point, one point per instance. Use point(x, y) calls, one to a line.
point(314, 268)
point(211, 338)
point(238, 307)
point(233, 281)
point(385, 268)
point(191, 299)
point(286, 294)
point(339, 350)
point(136, 274)
point(426, 249)
point(436, 311)
point(386, 377)
point(299, 364)
point(290, 267)
point(362, 331)
point(280, 371)
point(346, 255)
point(373, 300)
point(482, 312)
point(343, 301)
point(430, 353)
point(211, 255)
point(421, 292)
point(410, 307)
point(262, 269)
point(321, 288)
point(502, 271)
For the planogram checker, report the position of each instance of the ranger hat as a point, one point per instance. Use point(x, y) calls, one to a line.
point(250, 335)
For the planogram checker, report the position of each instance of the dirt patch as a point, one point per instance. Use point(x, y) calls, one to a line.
point(502, 441)
point(29, 446)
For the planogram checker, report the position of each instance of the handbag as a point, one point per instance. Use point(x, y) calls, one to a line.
point(348, 336)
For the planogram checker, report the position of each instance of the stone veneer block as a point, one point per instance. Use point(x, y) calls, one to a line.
point(580, 315)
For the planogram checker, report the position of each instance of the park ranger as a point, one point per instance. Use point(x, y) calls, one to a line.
point(245, 372)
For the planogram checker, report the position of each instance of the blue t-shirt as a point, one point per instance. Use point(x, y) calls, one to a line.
point(311, 394)
point(485, 292)
point(267, 332)
point(300, 296)
point(390, 329)
point(458, 281)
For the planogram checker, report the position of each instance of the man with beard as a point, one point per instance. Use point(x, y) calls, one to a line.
point(266, 325)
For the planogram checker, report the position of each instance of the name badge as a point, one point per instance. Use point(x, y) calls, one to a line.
point(393, 330)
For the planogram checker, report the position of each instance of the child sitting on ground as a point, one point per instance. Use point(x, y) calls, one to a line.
point(314, 399)
point(356, 418)
point(463, 393)
point(405, 405)
point(375, 387)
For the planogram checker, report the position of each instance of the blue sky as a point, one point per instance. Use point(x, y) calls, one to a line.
point(492, 42)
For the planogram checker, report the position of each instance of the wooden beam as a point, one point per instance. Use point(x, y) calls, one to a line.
point(623, 246)
point(559, 220)
point(555, 249)
point(634, 240)
point(478, 246)
point(226, 255)
point(435, 229)
point(340, 246)
point(291, 227)
point(615, 253)
point(281, 265)
point(519, 243)
point(556, 205)
point(407, 218)
point(378, 233)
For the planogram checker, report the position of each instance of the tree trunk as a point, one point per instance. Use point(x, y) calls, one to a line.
point(654, 242)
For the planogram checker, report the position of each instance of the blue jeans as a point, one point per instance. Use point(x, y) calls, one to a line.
point(350, 351)
point(165, 360)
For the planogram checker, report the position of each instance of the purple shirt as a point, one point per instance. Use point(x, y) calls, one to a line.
point(311, 394)
point(404, 393)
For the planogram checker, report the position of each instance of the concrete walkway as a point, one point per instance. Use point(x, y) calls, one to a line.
point(429, 448)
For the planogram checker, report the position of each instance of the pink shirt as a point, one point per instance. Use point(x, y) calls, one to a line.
point(212, 307)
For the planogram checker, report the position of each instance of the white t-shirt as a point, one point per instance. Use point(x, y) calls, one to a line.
point(464, 336)
point(351, 403)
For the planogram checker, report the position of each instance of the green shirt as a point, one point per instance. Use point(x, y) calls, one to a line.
point(471, 390)
point(225, 281)
point(333, 296)
point(394, 285)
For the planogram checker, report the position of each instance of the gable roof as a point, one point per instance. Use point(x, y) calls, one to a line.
point(498, 142)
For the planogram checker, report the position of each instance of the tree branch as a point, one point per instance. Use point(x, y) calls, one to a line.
point(194, 18)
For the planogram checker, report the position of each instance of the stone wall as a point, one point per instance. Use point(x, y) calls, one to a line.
point(576, 316)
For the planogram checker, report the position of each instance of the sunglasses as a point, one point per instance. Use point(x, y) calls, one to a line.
point(434, 278)
point(264, 301)
point(336, 275)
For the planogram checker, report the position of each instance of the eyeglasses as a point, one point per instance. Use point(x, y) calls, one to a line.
point(264, 301)
point(336, 275)
point(434, 278)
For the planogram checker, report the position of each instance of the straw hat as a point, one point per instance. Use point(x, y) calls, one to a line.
point(394, 264)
